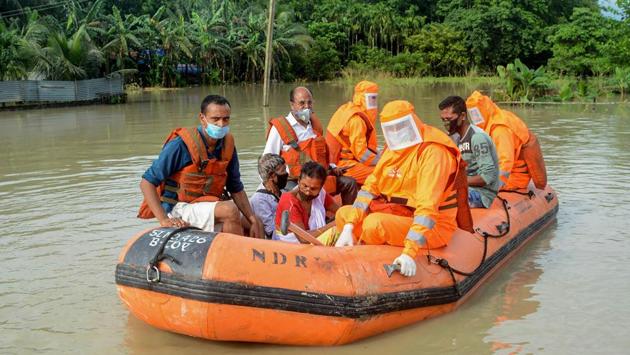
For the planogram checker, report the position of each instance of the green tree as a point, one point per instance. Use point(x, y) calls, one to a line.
point(497, 33)
point(442, 48)
point(121, 36)
point(174, 40)
point(322, 60)
point(578, 45)
point(621, 80)
point(212, 44)
point(288, 35)
point(19, 46)
point(624, 6)
point(90, 18)
point(251, 43)
point(70, 58)
point(12, 67)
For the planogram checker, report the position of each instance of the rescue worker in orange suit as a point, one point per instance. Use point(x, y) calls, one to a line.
point(351, 137)
point(509, 134)
point(416, 194)
point(298, 137)
point(184, 184)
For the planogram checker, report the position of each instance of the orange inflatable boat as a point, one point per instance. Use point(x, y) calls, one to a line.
point(224, 287)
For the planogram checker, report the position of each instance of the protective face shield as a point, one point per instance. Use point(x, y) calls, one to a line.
point(401, 133)
point(480, 109)
point(371, 105)
point(475, 116)
point(365, 96)
point(371, 102)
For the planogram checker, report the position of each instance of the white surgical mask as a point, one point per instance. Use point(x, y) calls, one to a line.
point(401, 133)
point(304, 115)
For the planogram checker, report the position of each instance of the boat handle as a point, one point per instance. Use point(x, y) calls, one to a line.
point(155, 278)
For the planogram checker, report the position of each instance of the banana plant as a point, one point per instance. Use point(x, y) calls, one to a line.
point(522, 83)
point(121, 35)
point(174, 40)
point(621, 80)
point(212, 46)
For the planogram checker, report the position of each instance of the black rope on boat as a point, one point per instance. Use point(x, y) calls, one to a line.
point(444, 263)
point(153, 273)
point(504, 202)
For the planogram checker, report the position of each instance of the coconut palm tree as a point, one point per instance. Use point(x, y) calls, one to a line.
point(71, 58)
point(19, 45)
point(287, 35)
point(251, 45)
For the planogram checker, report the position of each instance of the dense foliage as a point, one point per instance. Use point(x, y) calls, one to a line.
point(173, 43)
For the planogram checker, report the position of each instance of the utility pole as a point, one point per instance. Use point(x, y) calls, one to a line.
point(268, 52)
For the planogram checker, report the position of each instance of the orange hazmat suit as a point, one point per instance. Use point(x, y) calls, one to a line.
point(351, 136)
point(410, 199)
point(509, 134)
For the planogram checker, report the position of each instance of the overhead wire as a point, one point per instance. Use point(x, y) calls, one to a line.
point(39, 8)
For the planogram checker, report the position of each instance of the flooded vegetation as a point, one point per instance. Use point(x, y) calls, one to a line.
point(70, 181)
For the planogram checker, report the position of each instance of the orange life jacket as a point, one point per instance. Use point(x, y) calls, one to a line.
point(339, 147)
point(457, 183)
point(300, 152)
point(203, 180)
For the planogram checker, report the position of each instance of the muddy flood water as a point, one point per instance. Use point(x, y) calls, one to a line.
point(69, 189)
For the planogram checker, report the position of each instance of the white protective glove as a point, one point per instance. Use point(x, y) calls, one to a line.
point(346, 238)
point(407, 265)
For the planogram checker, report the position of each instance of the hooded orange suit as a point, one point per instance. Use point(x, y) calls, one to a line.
point(351, 137)
point(411, 197)
point(509, 134)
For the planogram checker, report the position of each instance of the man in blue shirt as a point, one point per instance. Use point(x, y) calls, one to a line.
point(477, 150)
point(184, 184)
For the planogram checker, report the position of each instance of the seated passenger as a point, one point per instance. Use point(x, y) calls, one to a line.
point(184, 184)
point(416, 196)
point(477, 150)
point(273, 172)
point(520, 158)
point(307, 203)
point(297, 137)
point(351, 136)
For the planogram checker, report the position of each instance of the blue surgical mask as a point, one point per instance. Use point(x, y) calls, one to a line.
point(215, 131)
point(304, 115)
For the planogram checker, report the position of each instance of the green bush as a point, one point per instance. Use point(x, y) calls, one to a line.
point(620, 81)
point(404, 64)
point(522, 83)
point(322, 60)
point(578, 46)
point(442, 49)
point(407, 65)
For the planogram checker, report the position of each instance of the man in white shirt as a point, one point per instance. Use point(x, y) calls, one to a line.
point(298, 137)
